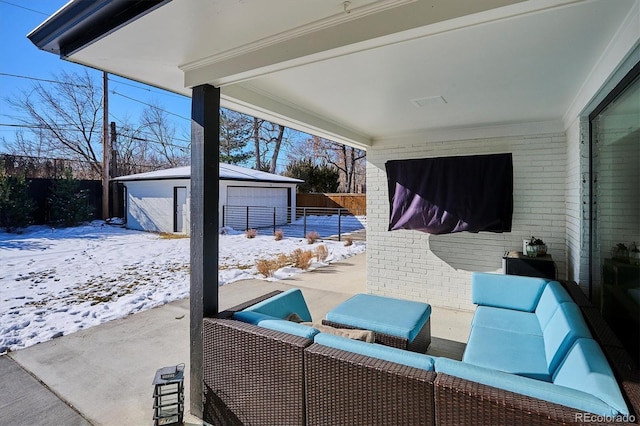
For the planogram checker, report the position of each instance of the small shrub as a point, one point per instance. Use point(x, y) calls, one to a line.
point(322, 253)
point(16, 207)
point(263, 266)
point(348, 241)
point(69, 204)
point(301, 258)
point(278, 234)
point(266, 267)
point(312, 237)
point(282, 260)
point(250, 233)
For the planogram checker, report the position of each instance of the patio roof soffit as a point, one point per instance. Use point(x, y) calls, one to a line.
point(368, 27)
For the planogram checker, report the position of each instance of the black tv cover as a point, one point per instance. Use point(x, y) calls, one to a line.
point(451, 194)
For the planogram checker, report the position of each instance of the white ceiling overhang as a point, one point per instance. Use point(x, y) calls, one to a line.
point(364, 70)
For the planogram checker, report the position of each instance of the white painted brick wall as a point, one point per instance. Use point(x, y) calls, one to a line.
point(437, 268)
point(577, 253)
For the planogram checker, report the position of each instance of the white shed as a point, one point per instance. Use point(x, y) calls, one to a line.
point(159, 201)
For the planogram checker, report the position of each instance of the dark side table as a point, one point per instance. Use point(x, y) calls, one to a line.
point(518, 263)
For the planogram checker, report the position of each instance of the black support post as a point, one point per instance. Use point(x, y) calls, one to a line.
point(205, 160)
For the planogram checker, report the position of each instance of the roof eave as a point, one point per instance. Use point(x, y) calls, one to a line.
point(80, 23)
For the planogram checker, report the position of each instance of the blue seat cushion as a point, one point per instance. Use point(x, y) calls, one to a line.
point(396, 317)
point(506, 291)
point(552, 296)
point(508, 351)
point(284, 304)
point(507, 319)
point(375, 350)
point(585, 367)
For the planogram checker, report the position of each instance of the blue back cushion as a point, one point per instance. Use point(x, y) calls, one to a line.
point(284, 304)
point(552, 296)
point(375, 350)
point(285, 326)
point(252, 317)
point(565, 326)
point(586, 368)
point(506, 291)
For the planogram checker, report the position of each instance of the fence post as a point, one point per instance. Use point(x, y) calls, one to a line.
point(304, 215)
point(223, 215)
point(247, 218)
point(339, 224)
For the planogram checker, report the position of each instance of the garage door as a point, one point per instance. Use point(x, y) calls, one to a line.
point(254, 207)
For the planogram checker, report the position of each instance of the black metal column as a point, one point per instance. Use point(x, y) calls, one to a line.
point(205, 188)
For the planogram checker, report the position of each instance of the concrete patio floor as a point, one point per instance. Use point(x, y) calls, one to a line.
point(105, 372)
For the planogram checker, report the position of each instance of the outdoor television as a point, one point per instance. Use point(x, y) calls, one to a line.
point(451, 194)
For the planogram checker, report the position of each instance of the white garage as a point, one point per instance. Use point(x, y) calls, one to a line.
point(159, 201)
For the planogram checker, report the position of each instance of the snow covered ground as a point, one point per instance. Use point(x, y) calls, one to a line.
point(57, 281)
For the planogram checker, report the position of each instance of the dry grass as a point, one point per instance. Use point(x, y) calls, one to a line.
point(267, 267)
point(278, 234)
point(282, 260)
point(312, 237)
point(348, 241)
point(301, 258)
point(170, 236)
point(250, 233)
point(322, 253)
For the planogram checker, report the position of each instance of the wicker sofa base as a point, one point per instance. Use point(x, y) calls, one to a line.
point(462, 402)
point(344, 388)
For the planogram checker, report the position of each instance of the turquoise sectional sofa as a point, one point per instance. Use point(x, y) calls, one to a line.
point(531, 358)
point(529, 337)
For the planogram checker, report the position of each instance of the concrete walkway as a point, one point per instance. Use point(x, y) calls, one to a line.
point(26, 401)
point(106, 372)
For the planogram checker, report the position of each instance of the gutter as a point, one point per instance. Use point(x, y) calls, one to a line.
point(81, 23)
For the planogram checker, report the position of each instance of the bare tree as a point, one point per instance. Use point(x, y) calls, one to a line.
point(273, 139)
point(160, 132)
point(24, 144)
point(349, 161)
point(65, 119)
point(268, 139)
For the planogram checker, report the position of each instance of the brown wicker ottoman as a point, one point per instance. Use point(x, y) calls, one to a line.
point(403, 324)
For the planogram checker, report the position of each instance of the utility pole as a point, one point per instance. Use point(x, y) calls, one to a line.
point(106, 150)
point(114, 152)
point(115, 207)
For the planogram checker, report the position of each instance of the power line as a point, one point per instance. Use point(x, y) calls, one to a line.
point(126, 126)
point(25, 8)
point(149, 89)
point(149, 105)
point(43, 127)
point(41, 79)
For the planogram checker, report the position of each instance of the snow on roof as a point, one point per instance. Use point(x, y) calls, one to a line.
point(227, 172)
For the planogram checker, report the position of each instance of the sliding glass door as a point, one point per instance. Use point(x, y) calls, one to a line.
point(615, 210)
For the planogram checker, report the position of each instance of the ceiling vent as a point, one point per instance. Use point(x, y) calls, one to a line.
point(431, 100)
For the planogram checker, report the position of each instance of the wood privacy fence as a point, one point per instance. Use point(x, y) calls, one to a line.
point(355, 203)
